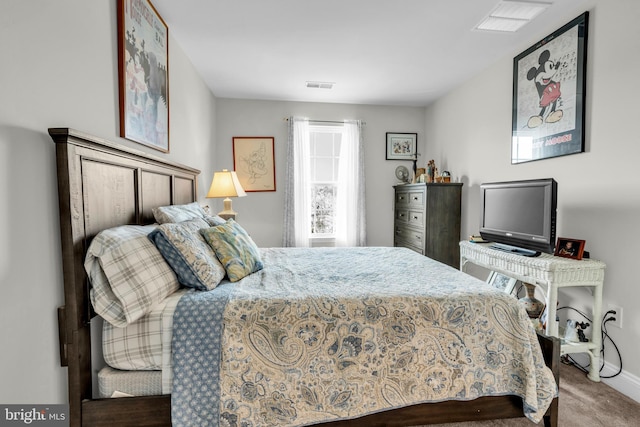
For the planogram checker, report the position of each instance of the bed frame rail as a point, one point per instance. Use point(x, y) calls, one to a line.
point(156, 410)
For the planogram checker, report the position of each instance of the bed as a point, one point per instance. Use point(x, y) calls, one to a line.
point(103, 186)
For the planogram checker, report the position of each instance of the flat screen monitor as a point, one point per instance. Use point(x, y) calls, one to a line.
point(521, 214)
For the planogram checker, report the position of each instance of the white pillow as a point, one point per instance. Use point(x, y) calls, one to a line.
point(178, 213)
point(128, 274)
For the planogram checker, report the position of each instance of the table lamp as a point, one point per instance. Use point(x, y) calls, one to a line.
point(225, 184)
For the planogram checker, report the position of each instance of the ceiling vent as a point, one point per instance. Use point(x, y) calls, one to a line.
point(320, 85)
point(510, 16)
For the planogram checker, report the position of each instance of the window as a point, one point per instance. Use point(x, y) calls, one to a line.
point(324, 156)
point(324, 196)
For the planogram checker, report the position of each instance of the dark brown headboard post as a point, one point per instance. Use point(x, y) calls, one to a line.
point(101, 185)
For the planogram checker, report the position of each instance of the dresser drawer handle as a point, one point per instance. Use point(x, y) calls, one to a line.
point(415, 217)
point(415, 197)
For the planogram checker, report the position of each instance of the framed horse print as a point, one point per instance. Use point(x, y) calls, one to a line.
point(143, 74)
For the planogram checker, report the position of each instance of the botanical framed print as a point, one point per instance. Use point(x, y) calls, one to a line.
point(569, 248)
point(254, 163)
point(502, 282)
point(143, 74)
point(549, 88)
point(401, 146)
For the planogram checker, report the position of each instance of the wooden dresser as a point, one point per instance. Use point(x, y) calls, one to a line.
point(427, 220)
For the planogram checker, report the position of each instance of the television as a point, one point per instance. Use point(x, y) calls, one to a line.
point(520, 216)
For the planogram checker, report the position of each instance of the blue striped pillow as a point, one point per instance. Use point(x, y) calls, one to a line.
point(186, 251)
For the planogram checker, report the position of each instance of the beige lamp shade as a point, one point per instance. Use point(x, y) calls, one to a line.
point(225, 184)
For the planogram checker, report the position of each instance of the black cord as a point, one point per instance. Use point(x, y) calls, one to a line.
point(519, 289)
point(604, 335)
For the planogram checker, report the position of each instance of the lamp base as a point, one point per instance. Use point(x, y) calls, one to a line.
point(226, 216)
point(228, 211)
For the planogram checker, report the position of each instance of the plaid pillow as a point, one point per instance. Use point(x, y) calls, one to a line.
point(141, 345)
point(128, 274)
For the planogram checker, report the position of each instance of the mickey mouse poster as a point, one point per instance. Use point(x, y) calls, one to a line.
point(546, 77)
point(548, 95)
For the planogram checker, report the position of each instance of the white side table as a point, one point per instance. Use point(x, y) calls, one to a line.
point(549, 273)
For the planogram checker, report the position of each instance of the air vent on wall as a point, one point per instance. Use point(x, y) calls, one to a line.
point(320, 85)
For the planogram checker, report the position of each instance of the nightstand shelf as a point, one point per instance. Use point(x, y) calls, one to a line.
point(550, 273)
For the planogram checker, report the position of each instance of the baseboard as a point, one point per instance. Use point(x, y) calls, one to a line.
point(625, 383)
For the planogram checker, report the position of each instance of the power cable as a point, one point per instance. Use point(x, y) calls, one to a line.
point(608, 317)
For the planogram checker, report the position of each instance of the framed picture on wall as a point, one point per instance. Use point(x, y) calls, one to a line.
point(143, 74)
point(254, 163)
point(402, 146)
point(549, 88)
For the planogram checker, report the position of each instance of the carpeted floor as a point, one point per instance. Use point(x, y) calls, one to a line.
point(583, 403)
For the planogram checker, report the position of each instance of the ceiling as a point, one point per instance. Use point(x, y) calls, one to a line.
point(402, 52)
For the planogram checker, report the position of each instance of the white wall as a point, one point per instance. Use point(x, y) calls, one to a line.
point(59, 69)
point(469, 130)
point(262, 213)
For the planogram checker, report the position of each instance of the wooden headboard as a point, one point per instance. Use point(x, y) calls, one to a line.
point(101, 185)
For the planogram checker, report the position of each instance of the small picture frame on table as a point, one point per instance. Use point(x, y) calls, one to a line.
point(569, 248)
point(502, 282)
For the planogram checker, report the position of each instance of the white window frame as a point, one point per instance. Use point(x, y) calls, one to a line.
point(324, 239)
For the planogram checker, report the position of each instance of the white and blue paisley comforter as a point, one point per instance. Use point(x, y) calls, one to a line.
point(327, 334)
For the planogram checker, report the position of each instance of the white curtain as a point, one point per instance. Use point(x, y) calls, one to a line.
point(350, 200)
point(297, 216)
point(350, 203)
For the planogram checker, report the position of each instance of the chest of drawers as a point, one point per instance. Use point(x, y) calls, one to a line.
point(427, 220)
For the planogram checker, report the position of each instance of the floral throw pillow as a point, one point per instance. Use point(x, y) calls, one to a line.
point(234, 248)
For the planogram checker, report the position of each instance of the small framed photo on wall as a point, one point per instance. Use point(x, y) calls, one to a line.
point(402, 146)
